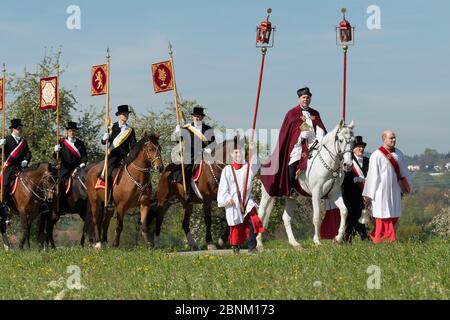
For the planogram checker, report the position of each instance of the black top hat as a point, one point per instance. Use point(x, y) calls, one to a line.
point(198, 111)
point(302, 91)
point(359, 141)
point(71, 125)
point(123, 109)
point(15, 123)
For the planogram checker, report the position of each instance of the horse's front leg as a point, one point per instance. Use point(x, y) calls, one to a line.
point(119, 227)
point(288, 213)
point(186, 227)
point(207, 217)
point(339, 202)
point(264, 211)
point(315, 199)
point(144, 216)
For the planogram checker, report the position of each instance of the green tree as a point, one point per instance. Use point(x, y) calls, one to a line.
point(39, 126)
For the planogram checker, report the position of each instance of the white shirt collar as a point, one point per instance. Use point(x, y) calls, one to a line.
point(17, 138)
point(71, 140)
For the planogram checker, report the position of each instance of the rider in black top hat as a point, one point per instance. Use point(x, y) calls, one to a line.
point(121, 138)
point(196, 137)
point(17, 155)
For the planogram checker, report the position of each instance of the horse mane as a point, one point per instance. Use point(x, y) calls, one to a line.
point(330, 135)
point(134, 152)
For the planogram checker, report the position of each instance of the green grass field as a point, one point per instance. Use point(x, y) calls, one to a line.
point(410, 270)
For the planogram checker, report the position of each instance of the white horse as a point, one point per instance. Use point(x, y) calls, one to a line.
point(323, 177)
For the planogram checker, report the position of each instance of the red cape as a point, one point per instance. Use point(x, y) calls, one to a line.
point(277, 185)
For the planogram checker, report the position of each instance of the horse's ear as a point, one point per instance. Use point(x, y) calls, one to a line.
point(341, 123)
point(157, 135)
point(145, 134)
point(352, 125)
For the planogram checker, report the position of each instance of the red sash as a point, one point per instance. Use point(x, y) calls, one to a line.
point(402, 180)
point(72, 149)
point(14, 153)
point(357, 172)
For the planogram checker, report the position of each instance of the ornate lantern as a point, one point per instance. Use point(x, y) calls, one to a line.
point(264, 31)
point(345, 31)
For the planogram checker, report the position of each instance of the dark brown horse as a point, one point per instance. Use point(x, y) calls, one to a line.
point(133, 189)
point(208, 185)
point(74, 202)
point(35, 187)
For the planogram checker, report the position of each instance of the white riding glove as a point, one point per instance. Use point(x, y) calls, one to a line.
point(2, 142)
point(82, 165)
point(24, 163)
point(359, 179)
point(57, 147)
point(105, 136)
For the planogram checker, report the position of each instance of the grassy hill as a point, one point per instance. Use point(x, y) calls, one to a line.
point(408, 270)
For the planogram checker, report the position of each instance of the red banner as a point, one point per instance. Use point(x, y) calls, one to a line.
point(2, 93)
point(49, 93)
point(99, 80)
point(162, 76)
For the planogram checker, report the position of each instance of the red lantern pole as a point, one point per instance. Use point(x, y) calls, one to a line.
point(344, 83)
point(263, 36)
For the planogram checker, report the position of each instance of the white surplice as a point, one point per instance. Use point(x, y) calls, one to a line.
point(227, 190)
point(382, 186)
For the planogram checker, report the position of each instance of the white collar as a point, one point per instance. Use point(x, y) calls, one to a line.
point(17, 138)
point(71, 140)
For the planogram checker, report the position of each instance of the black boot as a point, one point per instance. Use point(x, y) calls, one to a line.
point(4, 212)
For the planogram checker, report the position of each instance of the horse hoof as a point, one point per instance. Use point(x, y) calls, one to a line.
point(317, 243)
point(98, 245)
point(220, 243)
point(337, 241)
point(212, 246)
point(298, 247)
point(6, 247)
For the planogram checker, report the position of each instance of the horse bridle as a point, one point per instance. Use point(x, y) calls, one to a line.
point(45, 177)
point(339, 154)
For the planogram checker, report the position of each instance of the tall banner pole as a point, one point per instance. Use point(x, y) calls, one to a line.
point(263, 37)
point(107, 124)
point(3, 125)
point(57, 137)
point(177, 111)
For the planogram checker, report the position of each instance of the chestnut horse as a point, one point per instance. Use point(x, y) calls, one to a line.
point(35, 187)
point(208, 185)
point(132, 189)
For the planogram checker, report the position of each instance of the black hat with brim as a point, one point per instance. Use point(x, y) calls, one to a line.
point(198, 111)
point(123, 109)
point(359, 141)
point(71, 125)
point(15, 123)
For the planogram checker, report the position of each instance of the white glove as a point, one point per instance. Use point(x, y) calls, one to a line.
point(105, 136)
point(24, 163)
point(359, 179)
point(207, 151)
point(306, 134)
point(177, 129)
point(57, 147)
point(2, 142)
point(82, 165)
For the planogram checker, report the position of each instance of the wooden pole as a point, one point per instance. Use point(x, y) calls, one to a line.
point(255, 114)
point(177, 111)
point(3, 126)
point(57, 135)
point(107, 124)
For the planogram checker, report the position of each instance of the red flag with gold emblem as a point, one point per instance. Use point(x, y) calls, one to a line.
point(49, 93)
point(2, 93)
point(99, 80)
point(162, 76)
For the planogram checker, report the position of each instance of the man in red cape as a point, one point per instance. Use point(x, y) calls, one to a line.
point(301, 128)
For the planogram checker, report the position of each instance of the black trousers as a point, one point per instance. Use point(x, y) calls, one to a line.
point(291, 175)
point(353, 226)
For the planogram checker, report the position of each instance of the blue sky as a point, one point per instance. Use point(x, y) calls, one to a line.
point(398, 76)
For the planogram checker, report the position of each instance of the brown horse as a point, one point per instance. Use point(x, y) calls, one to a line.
point(208, 185)
point(35, 187)
point(132, 189)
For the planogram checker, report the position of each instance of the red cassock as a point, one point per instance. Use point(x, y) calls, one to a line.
point(384, 230)
point(277, 184)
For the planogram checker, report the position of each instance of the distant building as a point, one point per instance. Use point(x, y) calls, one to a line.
point(437, 168)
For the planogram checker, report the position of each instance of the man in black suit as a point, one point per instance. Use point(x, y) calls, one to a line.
point(197, 137)
point(17, 155)
point(72, 153)
point(353, 186)
point(122, 139)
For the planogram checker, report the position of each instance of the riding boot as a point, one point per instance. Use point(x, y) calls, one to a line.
point(291, 179)
point(4, 212)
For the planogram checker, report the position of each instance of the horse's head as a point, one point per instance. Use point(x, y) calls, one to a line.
point(152, 150)
point(49, 178)
point(344, 144)
point(223, 151)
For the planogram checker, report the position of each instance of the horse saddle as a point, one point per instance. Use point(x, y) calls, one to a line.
point(117, 174)
point(176, 175)
point(13, 184)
